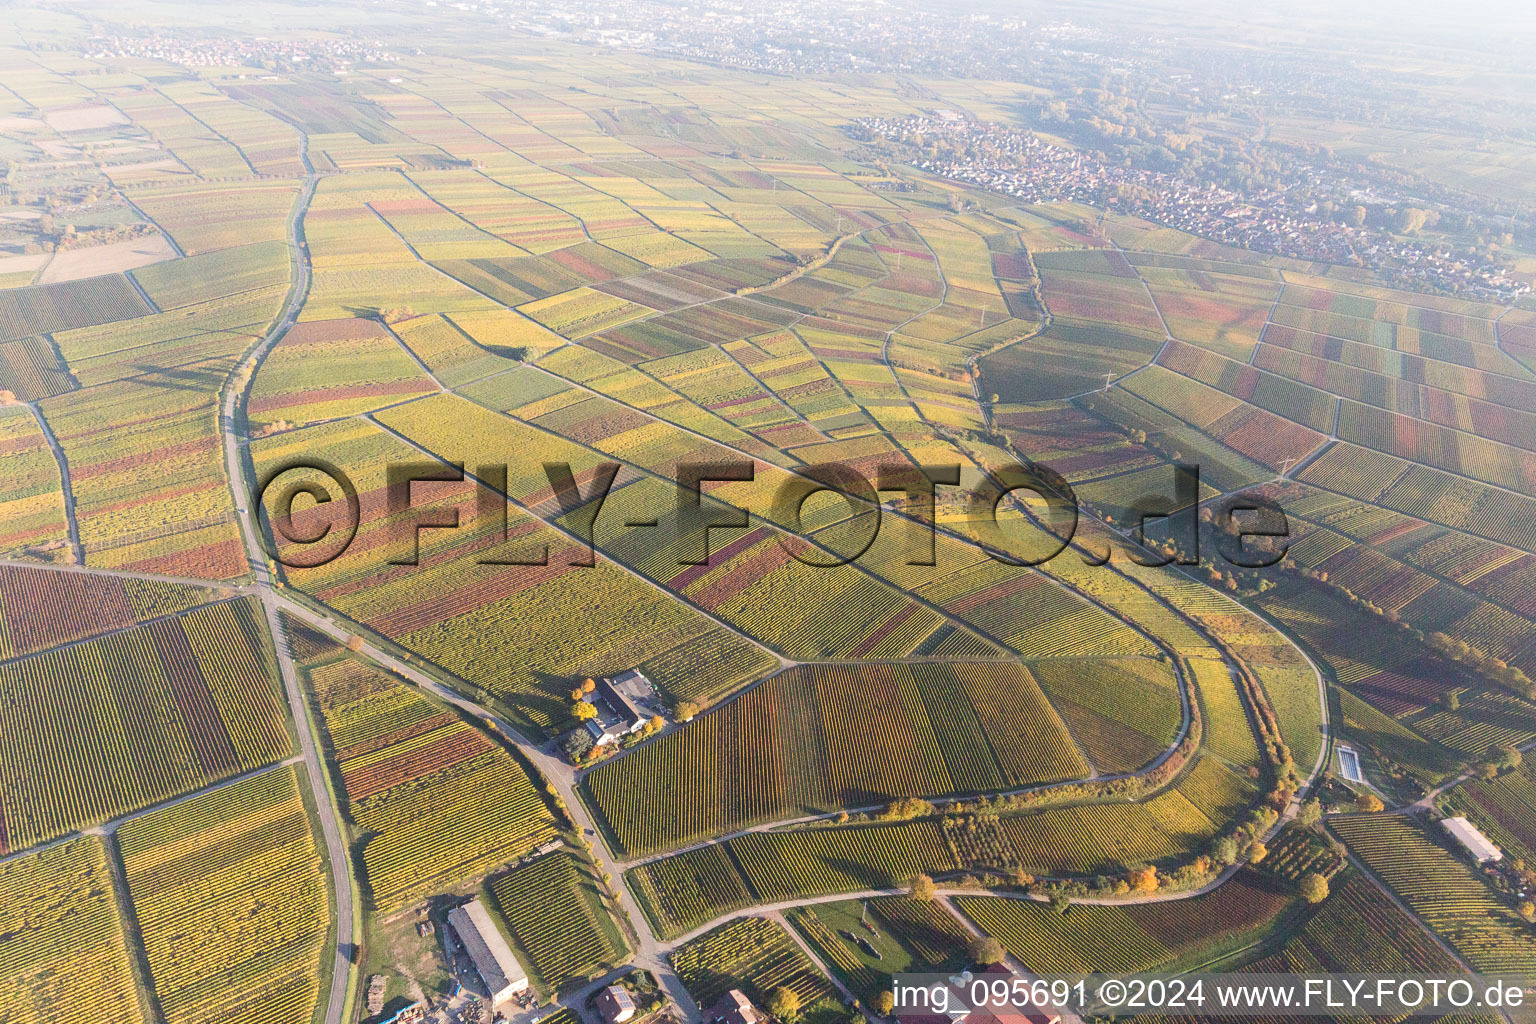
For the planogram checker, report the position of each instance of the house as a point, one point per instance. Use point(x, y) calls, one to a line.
point(617, 714)
point(492, 957)
point(615, 1004)
point(1472, 840)
point(634, 686)
point(734, 1008)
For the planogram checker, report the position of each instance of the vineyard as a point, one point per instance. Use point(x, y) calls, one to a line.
point(685, 890)
point(1358, 930)
point(1297, 851)
point(1507, 808)
point(31, 496)
point(1092, 938)
point(819, 739)
point(902, 935)
point(40, 608)
point(114, 724)
point(64, 946)
point(1443, 892)
point(753, 954)
point(628, 259)
point(681, 892)
point(556, 912)
point(230, 899)
point(437, 800)
point(328, 369)
point(510, 631)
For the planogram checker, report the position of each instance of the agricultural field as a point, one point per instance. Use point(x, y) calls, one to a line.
point(437, 800)
point(516, 249)
point(1149, 937)
point(814, 740)
point(108, 726)
point(1358, 929)
point(1504, 808)
point(32, 521)
point(1439, 889)
point(230, 901)
point(557, 913)
point(330, 369)
point(753, 954)
point(64, 945)
point(903, 935)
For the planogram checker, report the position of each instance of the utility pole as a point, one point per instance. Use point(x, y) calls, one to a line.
point(1107, 378)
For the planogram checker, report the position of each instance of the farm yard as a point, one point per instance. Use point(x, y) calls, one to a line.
point(570, 273)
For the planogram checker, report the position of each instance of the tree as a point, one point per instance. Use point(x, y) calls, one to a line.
point(686, 709)
point(589, 686)
point(1313, 887)
point(885, 1002)
point(355, 644)
point(1060, 902)
point(1310, 814)
point(783, 1003)
point(986, 951)
point(1225, 851)
point(1527, 911)
point(1452, 700)
point(1143, 880)
point(584, 711)
point(907, 808)
point(921, 888)
point(1257, 852)
point(576, 745)
point(1357, 217)
point(1369, 803)
point(7, 398)
point(1509, 757)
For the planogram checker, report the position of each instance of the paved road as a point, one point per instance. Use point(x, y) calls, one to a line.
point(68, 490)
point(241, 485)
point(651, 953)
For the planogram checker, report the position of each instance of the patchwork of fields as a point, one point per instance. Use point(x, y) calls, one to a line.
point(556, 289)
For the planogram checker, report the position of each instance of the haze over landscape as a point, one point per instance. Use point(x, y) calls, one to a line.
point(699, 512)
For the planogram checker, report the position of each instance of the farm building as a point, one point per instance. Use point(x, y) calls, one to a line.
point(735, 1008)
point(493, 959)
point(615, 1005)
point(1473, 840)
point(634, 686)
point(617, 714)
